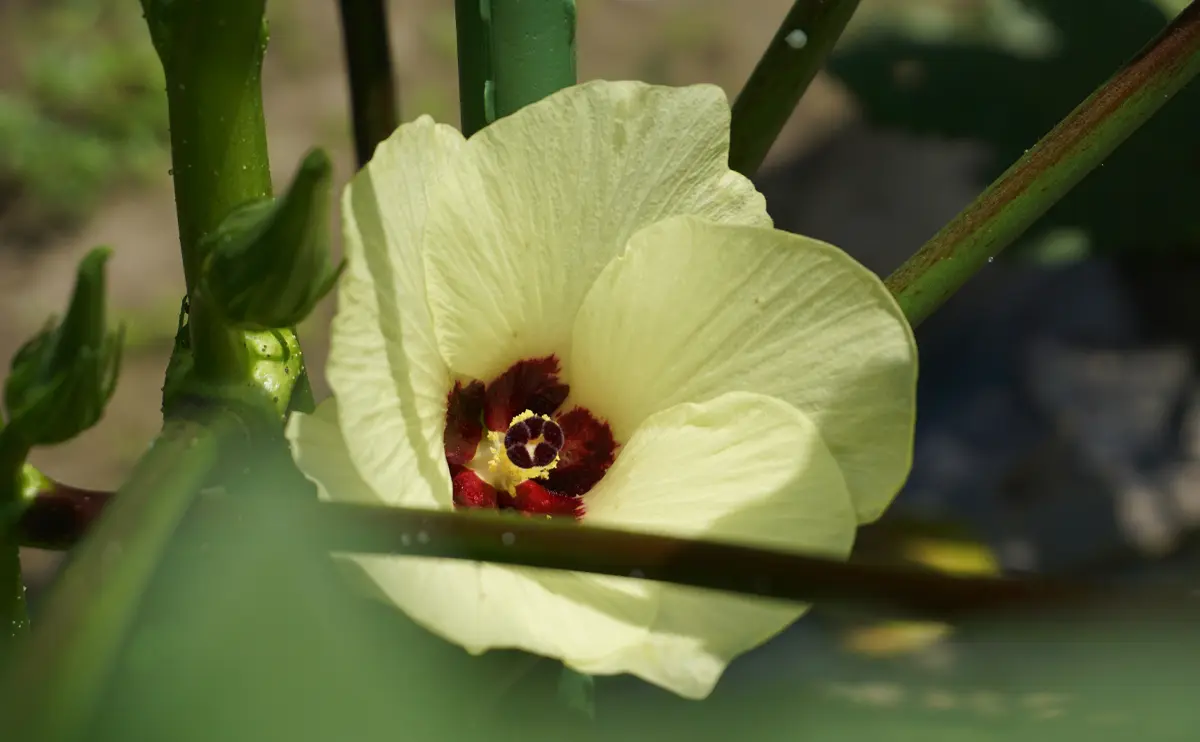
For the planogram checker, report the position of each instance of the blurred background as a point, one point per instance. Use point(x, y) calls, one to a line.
point(1059, 421)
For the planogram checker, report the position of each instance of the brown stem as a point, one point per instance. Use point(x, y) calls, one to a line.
point(1050, 169)
point(59, 516)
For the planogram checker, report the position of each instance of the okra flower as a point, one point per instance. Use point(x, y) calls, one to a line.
point(582, 312)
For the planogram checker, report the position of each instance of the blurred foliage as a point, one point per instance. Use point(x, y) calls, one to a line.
point(246, 632)
point(1008, 95)
point(1052, 677)
point(81, 107)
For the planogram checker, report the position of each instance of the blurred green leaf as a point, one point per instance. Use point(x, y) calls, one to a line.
point(52, 687)
point(577, 692)
point(245, 630)
point(1093, 677)
point(236, 627)
point(1143, 196)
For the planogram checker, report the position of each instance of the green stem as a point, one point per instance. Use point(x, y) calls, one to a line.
point(212, 56)
point(1076, 146)
point(212, 53)
point(489, 537)
point(479, 536)
point(218, 136)
point(14, 620)
point(786, 69)
point(369, 67)
point(63, 667)
point(472, 19)
point(510, 54)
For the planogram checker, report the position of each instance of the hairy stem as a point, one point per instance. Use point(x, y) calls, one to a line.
point(1075, 147)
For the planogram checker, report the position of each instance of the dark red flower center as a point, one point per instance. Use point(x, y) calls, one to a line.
point(509, 447)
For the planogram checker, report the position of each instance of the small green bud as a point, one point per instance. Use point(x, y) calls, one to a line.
point(62, 379)
point(268, 264)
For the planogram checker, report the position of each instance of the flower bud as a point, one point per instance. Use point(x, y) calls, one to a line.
point(62, 379)
point(268, 264)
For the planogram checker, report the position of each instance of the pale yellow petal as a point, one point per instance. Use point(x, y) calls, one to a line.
point(694, 309)
point(741, 468)
point(320, 452)
point(480, 606)
point(541, 200)
point(384, 364)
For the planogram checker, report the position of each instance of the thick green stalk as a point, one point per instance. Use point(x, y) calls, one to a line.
point(212, 52)
point(212, 58)
point(786, 69)
point(60, 672)
point(510, 54)
point(14, 621)
point(212, 55)
point(1076, 146)
point(369, 67)
point(532, 49)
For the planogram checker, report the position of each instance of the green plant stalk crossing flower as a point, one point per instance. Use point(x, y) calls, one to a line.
point(557, 544)
point(510, 54)
point(1076, 146)
point(58, 675)
point(795, 55)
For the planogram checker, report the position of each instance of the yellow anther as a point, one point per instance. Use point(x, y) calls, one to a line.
point(501, 472)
